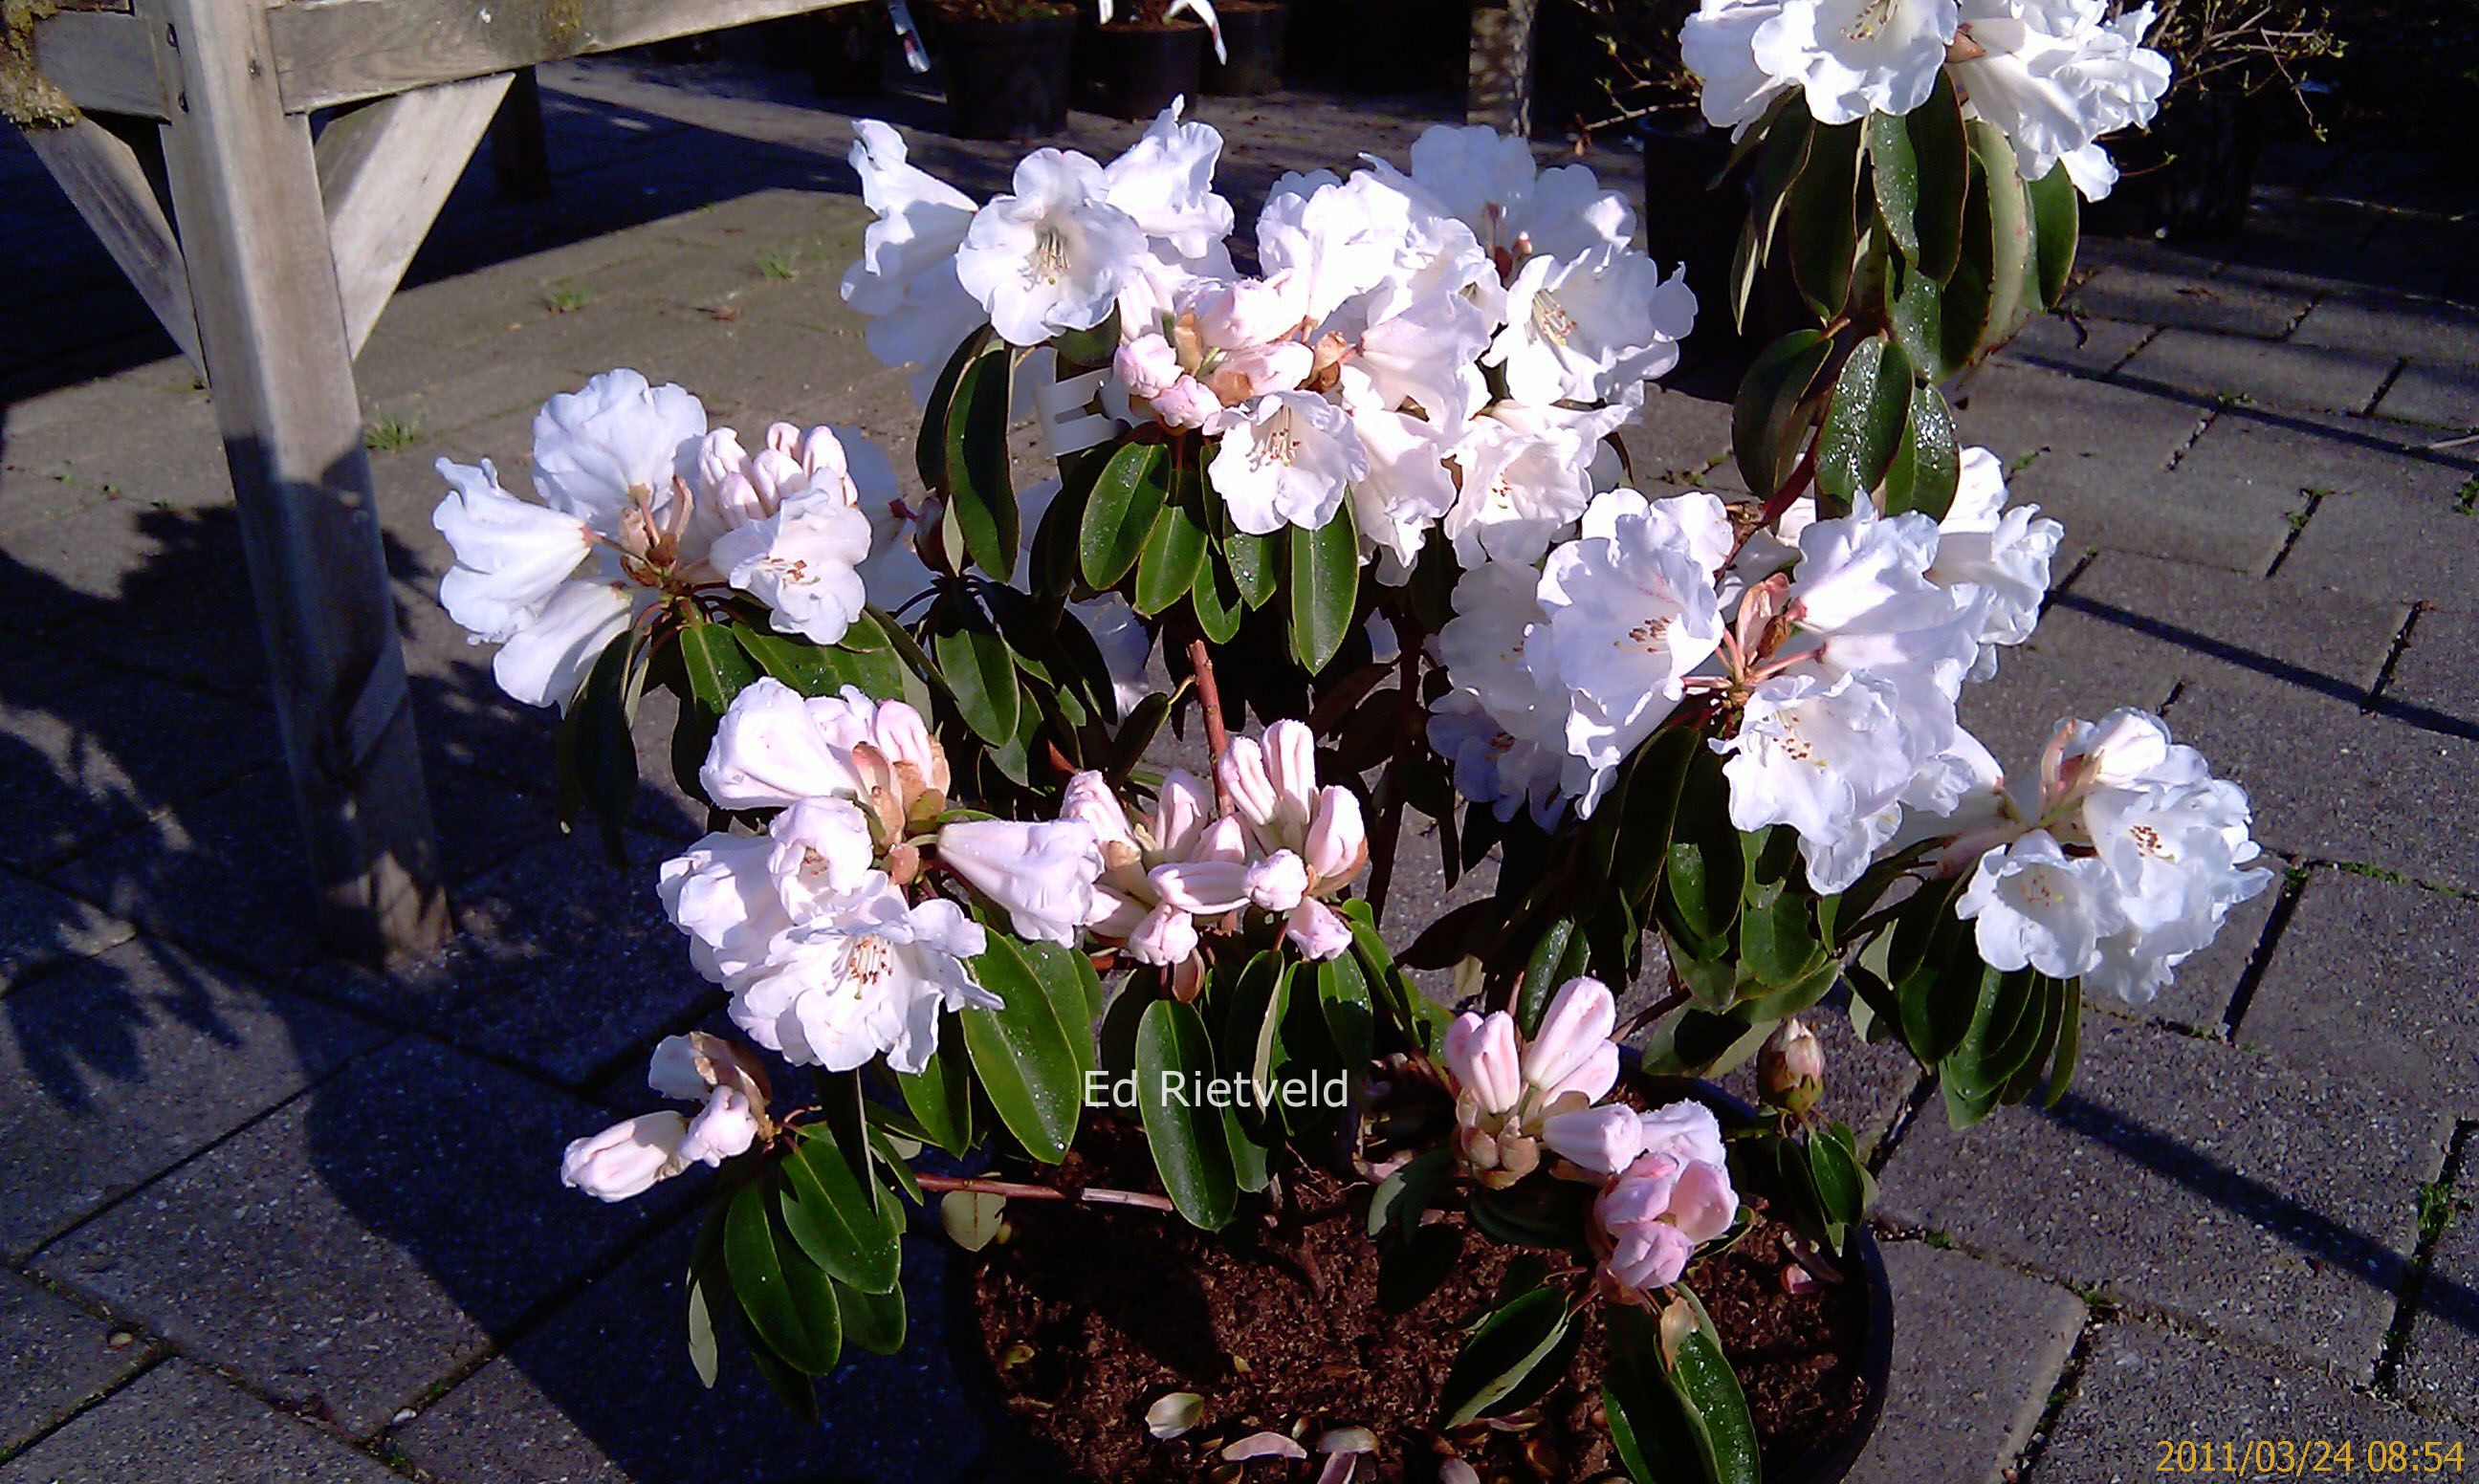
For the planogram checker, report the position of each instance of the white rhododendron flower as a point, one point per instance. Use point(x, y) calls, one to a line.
point(905, 278)
point(1631, 614)
point(2055, 75)
point(1828, 758)
point(1286, 459)
point(2032, 905)
point(1053, 255)
point(1590, 326)
point(1850, 56)
point(736, 895)
point(629, 1158)
point(869, 981)
point(1042, 873)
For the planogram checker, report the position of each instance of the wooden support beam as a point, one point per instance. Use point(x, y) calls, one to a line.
point(103, 179)
point(272, 325)
point(384, 170)
point(520, 153)
point(103, 59)
point(331, 51)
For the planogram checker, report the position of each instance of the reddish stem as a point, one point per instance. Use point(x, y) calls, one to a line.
point(1217, 737)
point(1091, 1195)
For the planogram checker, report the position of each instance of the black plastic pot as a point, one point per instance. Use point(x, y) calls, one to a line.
point(1403, 45)
point(848, 50)
point(1140, 69)
point(1007, 79)
point(1013, 1457)
point(2189, 175)
point(1253, 35)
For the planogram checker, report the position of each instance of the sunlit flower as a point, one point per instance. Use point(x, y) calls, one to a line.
point(1053, 255)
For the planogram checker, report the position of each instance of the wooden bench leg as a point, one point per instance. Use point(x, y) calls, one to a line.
point(520, 154)
point(280, 369)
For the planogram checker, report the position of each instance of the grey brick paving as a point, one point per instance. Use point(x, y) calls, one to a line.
point(2142, 1386)
point(2179, 1176)
point(1976, 1349)
point(341, 1252)
point(2372, 981)
point(182, 1423)
point(53, 1358)
point(363, 1241)
point(115, 1069)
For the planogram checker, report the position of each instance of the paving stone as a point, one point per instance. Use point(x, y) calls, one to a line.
point(364, 1241)
point(2141, 1385)
point(148, 433)
point(2330, 643)
point(2440, 1365)
point(2181, 1175)
point(2232, 368)
point(2085, 347)
point(2407, 547)
point(2440, 396)
point(1976, 1349)
point(2330, 782)
point(2077, 664)
point(2283, 451)
point(2166, 287)
point(2445, 335)
point(2433, 680)
point(562, 962)
point(39, 928)
point(118, 1068)
point(568, 1403)
point(181, 1421)
point(2373, 979)
point(1682, 440)
point(53, 1358)
point(107, 554)
point(2130, 433)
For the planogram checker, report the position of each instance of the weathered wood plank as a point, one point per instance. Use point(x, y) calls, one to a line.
point(330, 52)
point(103, 179)
point(103, 59)
point(384, 170)
point(271, 324)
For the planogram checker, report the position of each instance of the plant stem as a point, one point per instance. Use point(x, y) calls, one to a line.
point(1091, 1195)
point(1217, 737)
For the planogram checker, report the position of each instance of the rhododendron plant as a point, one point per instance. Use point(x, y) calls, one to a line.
point(1361, 527)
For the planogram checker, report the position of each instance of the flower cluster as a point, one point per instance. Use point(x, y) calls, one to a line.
point(2052, 75)
point(2123, 865)
point(1666, 1178)
point(1444, 347)
point(731, 1092)
point(629, 477)
point(818, 927)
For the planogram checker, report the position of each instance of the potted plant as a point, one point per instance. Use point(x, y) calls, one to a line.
point(1254, 35)
point(1268, 1208)
point(1150, 53)
point(2193, 170)
point(1007, 64)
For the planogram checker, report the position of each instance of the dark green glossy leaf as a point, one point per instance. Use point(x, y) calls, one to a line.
point(930, 448)
point(1786, 138)
point(1067, 975)
point(1344, 1000)
point(1026, 1052)
point(1701, 1376)
point(1395, 1206)
point(1174, 556)
point(1821, 217)
point(788, 1299)
point(597, 747)
point(718, 668)
point(1191, 1150)
point(1922, 166)
point(1137, 733)
point(2056, 221)
point(1119, 514)
point(1929, 463)
point(1864, 426)
point(1256, 565)
point(2010, 279)
point(981, 675)
point(1557, 957)
point(873, 1322)
point(1326, 588)
point(981, 499)
point(1500, 1355)
point(1410, 1269)
point(940, 1095)
point(1218, 605)
point(1769, 417)
point(834, 1210)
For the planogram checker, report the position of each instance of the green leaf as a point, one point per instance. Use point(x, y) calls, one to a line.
point(1833, 1168)
point(1708, 1392)
point(1771, 411)
point(598, 747)
point(1786, 139)
point(1252, 1159)
point(1929, 468)
point(1864, 428)
point(1535, 1214)
point(1026, 1052)
point(1137, 733)
point(1409, 1270)
point(874, 1321)
point(1342, 999)
point(981, 675)
point(1189, 1148)
point(1253, 1022)
point(1119, 514)
point(1174, 556)
point(930, 448)
point(1067, 975)
point(1777, 938)
point(981, 500)
point(1556, 958)
point(703, 1356)
point(1922, 166)
point(865, 658)
point(1395, 1206)
point(1648, 1430)
point(2056, 221)
point(940, 1095)
point(1326, 588)
point(1256, 565)
point(718, 667)
point(1822, 217)
point(2070, 1037)
point(2010, 226)
point(787, 1299)
point(1500, 1355)
point(1218, 605)
point(833, 1212)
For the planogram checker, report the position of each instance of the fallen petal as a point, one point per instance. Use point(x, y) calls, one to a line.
point(1263, 1444)
point(1174, 1413)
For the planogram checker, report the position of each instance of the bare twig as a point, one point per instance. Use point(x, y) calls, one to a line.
point(1015, 1190)
point(1217, 737)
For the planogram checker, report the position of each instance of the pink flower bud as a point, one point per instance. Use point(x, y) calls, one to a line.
point(1319, 932)
point(1224, 839)
point(1180, 813)
point(1116, 916)
point(1203, 887)
point(1605, 1141)
point(903, 737)
point(1148, 365)
point(1167, 935)
point(626, 1158)
point(725, 1128)
point(1186, 403)
point(1483, 1059)
point(1243, 772)
point(1338, 842)
point(1685, 1130)
point(1279, 882)
point(1568, 1053)
point(1790, 1069)
point(1290, 765)
point(1042, 873)
point(1089, 799)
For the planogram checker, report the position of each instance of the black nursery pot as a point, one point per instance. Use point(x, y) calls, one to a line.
point(1142, 69)
point(1253, 35)
point(1007, 79)
point(1690, 221)
point(2188, 174)
point(1403, 45)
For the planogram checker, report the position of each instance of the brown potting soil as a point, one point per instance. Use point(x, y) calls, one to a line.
point(1090, 1315)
